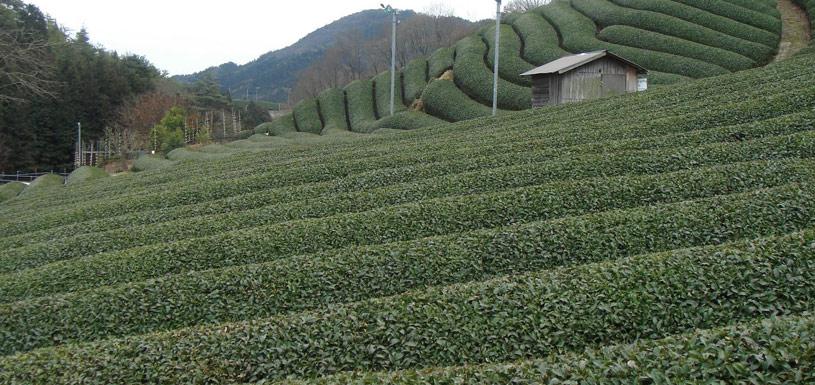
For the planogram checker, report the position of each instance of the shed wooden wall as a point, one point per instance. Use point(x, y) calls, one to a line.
point(600, 78)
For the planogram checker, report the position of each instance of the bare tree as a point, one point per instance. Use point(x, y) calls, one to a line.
point(524, 5)
point(25, 67)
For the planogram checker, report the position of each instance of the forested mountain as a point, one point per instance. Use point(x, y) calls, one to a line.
point(49, 81)
point(275, 73)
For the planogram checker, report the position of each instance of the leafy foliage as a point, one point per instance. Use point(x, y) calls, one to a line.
point(307, 117)
point(476, 80)
point(10, 190)
point(361, 110)
point(332, 107)
point(85, 174)
point(415, 79)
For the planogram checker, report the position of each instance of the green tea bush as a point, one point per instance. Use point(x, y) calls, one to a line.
point(717, 353)
point(382, 86)
point(507, 319)
point(84, 174)
point(706, 19)
point(44, 184)
point(307, 117)
point(361, 105)
point(282, 125)
point(768, 7)
point(606, 13)
point(185, 154)
point(456, 258)
point(747, 16)
point(578, 32)
point(444, 100)
point(512, 65)
point(11, 190)
point(441, 61)
point(151, 162)
point(452, 214)
point(408, 120)
point(622, 34)
point(540, 39)
point(263, 128)
point(476, 80)
point(332, 106)
point(415, 79)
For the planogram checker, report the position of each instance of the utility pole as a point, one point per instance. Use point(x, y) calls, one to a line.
point(395, 15)
point(79, 144)
point(497, 58)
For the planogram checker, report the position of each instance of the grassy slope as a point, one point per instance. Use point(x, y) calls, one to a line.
point(676, 40)
point(434, 248)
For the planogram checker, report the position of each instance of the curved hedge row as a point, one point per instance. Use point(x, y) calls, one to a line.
point(85, 174)
point(414, 220)
point(382, 86)
point(512, 65)
point(768, 7)
point(606, 13)
point(476, 80)
point(307, 117)
point(441, 61)
point(183, 153)
point(444, 100)
point(10, 190)
point(653, 41)
point(506, 319)
point(578, 32)
point(282, 125)
point(150, 162)
point(361, 105)
point(408, 120)
point(706, 19)
point(716, 354)
point(332, 108)
point(357, 273)
point(738, 13)
point(43, 185)
point(415, 79)
point(541, 41)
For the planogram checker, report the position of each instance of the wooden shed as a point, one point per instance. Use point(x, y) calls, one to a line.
point(585, 76)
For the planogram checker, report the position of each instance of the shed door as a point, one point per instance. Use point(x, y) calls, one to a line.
point(613, 84)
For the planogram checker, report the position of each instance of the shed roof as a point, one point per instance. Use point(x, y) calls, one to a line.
point(568, 63)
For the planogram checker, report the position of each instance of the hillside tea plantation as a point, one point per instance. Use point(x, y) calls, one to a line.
point(676, 40)
point(659, 237)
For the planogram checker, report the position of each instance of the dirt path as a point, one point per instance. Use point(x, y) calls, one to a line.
point(796, 32)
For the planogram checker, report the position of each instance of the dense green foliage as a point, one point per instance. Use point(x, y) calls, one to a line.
point(45, 184)
point(441, 61)
point(476, 80)
point(150, 162)
point(443, 99)
point(361, 108)
point(332, 108)
point(408, 120)
point(382, 88)
point(10, 190)
point(85, 84)
point(540, 39)
point(512, 64)
point(724, 8)
point(415, 79)
point(84, 174)
point(307, 117)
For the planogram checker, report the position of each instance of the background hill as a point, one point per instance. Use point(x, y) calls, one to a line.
point(276, 72)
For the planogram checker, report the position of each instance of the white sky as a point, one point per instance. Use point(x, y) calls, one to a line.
point(185, 36)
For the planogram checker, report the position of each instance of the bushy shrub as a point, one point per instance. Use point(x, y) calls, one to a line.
point(361, 105)
point(282, 125)
point(706, 19)
point(745, 15)
point(606, 13)
point(84, 174)
point(44, 184)
point(541, 41)
point(415, 79)
point(332, 107)
point(506, 319)
point(444, 100)
point(408, 120)
point(10, 190)
point(653, 41)
point(263, 128)
point(185, 154)
point(151, 162)
point(441, 61)
point(578, 32)
point(768, 7)
point(307, 117)
point(476, 80)
point(382, 85)
point(511, 64)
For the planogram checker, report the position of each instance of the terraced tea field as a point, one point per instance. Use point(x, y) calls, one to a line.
point(676, 40)
point(661, 237)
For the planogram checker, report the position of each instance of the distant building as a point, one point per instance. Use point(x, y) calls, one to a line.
point(585, 76)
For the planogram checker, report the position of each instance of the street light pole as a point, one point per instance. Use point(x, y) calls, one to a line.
point(497, 58)
point(79, 144)
point(395, 16)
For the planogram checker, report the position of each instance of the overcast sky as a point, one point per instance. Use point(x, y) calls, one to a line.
point(185, 36)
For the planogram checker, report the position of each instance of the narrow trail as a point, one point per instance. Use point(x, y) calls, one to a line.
point(796, 32)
